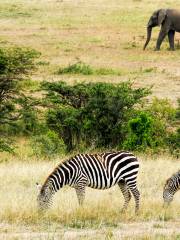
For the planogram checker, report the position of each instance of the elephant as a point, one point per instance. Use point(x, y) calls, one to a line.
point(169, 19)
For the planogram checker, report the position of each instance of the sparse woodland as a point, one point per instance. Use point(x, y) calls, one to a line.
point(74, 79)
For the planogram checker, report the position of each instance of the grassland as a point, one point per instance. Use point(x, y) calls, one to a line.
point(100, 216)
point(103, 34)
point(106, 35)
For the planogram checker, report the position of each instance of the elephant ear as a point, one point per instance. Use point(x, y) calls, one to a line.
point(162, 15)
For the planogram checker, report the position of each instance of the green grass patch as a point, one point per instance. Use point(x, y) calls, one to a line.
point(43, 63)
point(85, 69)
point(14, 11)
point(30, 85)
point(149, 70)
point(141, 70)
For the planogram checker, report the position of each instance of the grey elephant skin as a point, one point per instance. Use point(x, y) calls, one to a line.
point(169, 20)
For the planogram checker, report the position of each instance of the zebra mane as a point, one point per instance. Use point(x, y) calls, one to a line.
point(167, 181)
point(173, 176)
point(176, 174)
point(59, 165)
point(47, 178)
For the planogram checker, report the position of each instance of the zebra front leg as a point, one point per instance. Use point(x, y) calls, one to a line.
point(80, 192)
point(126, 194)
point(136, 195)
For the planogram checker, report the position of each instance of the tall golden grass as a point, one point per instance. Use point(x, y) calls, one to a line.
point(18, 196)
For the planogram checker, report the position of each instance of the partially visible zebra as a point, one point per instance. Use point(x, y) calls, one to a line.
point(100, 171)
point(172, 185)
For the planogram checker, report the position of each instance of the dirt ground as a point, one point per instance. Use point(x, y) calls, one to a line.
point(139, 230)
point(108, 34)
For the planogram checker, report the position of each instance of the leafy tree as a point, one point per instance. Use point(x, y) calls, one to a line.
point(16, 64)
point(91, 113)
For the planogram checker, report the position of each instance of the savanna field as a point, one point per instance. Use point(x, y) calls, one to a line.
point(106, 35)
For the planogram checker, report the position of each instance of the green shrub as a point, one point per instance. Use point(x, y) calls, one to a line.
point(162, 109)
point(91, 114)
point(16, 64)
point(173, 141)
point(145, 131)
point(47, 145)
point(139, 132)
point(149, 128)
point(178, 110)
point(6, 145)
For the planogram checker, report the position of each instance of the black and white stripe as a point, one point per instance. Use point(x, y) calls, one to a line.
point(100, 171)
point(172, 185)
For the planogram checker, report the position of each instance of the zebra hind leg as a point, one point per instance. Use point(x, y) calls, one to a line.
point(126, 194)
point(80, 192)
point(134, 190)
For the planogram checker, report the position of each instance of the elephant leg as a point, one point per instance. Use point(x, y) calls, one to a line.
point(171, 34)
point(161, 37)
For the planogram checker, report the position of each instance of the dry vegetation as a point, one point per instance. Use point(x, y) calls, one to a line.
point(108, 34)
point(101, 33)
point(101, 212)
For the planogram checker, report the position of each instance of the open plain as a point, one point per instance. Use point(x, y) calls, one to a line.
point(99, 218)
point(103, 34)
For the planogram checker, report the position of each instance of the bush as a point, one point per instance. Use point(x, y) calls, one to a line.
point(140, 132)
point(144, 132)
point(48, 144)
point(150, 127)
point(92, 114)
point(173, 141)
point(16, 64)
point(162, 109)
point(5, 145)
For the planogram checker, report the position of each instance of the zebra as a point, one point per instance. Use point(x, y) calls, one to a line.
point(99, 171)
point(172, 185)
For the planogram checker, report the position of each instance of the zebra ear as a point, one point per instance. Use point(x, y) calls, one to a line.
point(39, 186)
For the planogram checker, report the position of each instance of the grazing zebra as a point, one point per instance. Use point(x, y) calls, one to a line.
point(172, 185)
point(100, 171)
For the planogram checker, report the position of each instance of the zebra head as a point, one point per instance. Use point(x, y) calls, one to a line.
point(168, 192)
point(44, 196)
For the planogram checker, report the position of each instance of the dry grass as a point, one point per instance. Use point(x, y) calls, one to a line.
point(103, 34)
point(108, 34)
point(101, 210)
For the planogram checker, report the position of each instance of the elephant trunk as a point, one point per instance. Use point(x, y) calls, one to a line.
point(149, 30)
